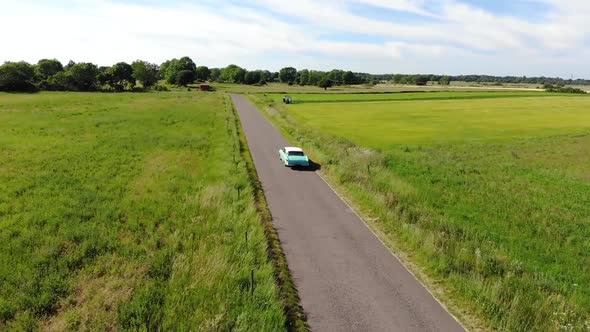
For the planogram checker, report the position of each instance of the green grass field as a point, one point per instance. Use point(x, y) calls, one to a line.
point(407, 96)
point(490, 197)
point(121, 211)
point(385, 124)
point(345, 89)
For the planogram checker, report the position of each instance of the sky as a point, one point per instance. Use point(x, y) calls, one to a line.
point(495, 37)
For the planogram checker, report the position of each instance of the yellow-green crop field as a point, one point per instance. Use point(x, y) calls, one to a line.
point(460, 118)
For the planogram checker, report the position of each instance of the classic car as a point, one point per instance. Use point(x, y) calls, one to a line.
point(293, 156)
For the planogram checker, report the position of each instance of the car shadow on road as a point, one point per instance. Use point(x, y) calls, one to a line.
point(313, 166)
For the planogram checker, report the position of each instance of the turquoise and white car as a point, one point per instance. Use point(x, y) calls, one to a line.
point(293, 156)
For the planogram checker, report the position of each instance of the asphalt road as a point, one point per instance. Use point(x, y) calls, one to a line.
point(347, 279)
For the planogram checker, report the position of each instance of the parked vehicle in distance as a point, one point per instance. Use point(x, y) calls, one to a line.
point(293, 156)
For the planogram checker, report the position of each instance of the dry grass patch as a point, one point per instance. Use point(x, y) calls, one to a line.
point(97, 295)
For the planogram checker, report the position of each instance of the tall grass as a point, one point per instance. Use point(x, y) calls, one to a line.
point(502, 227)
point(129, 211)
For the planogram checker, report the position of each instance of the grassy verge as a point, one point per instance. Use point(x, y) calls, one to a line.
point(497, 230)
point(129, 211)
point(295, 315)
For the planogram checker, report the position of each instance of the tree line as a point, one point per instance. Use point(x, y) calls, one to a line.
point(50, 74)
point(445, 80)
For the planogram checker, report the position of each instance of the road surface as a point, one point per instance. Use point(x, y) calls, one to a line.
point(346, 278)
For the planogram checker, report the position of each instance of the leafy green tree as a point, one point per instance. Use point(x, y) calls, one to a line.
point(174, 66)
point(315, 77)
point(325, 83)
point(226, 73)
point(335, 76)
point(214, 74)
point(61, 81)
point(83, 76)
point(288, 75)
point(70, 64)
point(233, 74)
point(185, 77)
point(252, 77)
point(266, 76)
point(145, 72)
point(121, 75)
point(275, 77)
point(46, 68)
point(239, 75)
point(445, 80)
point(186, 63)
point(171, 71)
point(164, 68)
point(202, 73)
point(349, 78)
point(303, 78)
point(104, 76)
point(421, 79)
point(17, 76)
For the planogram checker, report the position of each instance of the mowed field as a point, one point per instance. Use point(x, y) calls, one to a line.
point(490, 196)
point(368, 96)
point(274, 88)
point(431, 118)
point(122, 211)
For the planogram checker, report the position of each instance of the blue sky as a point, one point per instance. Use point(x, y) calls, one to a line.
point(517, 37)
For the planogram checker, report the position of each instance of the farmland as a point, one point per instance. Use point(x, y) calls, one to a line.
point(129, 211)
point(489, 196)
point(368, 96)
point(382, 88)
point(383, 124)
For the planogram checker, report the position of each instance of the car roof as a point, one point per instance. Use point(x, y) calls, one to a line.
point(292, 148)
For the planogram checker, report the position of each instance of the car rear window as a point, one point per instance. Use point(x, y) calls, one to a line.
point(296, 153)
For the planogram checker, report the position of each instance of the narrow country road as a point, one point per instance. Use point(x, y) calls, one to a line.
point(347, 279)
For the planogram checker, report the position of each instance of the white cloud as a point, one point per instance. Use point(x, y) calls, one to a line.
point(457, 38)
point(410, 6)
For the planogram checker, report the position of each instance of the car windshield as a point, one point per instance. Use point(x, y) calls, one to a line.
point(296, 153)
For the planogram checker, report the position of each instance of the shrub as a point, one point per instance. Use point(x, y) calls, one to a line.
point(562, 89)
point(161, 88)
point(17, 76)
point(61, 81)
point(185, 77)
point(138, 89)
